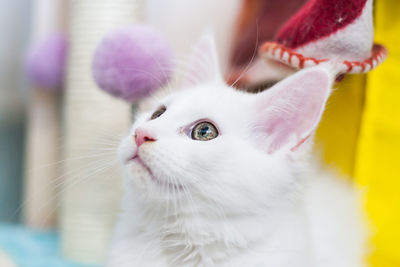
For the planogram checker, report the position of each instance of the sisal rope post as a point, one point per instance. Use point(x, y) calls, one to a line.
point(92, 119)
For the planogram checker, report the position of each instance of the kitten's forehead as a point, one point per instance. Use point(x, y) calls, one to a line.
point(204, 101)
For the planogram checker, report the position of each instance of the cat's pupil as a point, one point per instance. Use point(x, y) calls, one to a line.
point(204, 130)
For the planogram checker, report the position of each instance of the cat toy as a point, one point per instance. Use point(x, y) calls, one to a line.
point(132, 62)
point(45, 68)
point(46, 61)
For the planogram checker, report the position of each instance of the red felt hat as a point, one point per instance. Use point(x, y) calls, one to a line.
point(336, 31)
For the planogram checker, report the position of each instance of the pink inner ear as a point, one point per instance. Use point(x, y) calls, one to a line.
point(203, 63)
point(293, 108)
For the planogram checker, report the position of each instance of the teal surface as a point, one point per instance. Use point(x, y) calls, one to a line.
point(32, 248)
point(11, 166)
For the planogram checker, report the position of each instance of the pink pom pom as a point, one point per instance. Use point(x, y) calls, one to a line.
point(132, 62)
point(45, 64)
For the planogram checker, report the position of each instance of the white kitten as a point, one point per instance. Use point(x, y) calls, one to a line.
point(219, 177)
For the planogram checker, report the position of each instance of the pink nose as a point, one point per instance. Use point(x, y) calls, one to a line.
point(142, 136)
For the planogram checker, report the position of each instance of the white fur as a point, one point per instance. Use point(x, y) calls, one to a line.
point(227, 201)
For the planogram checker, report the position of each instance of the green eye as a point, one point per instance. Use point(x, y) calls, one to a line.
point(204, 131)
point(158, 112)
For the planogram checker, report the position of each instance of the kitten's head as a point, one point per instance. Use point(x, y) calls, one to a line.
point(210, 146)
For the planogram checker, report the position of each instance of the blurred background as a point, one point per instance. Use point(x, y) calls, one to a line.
point(59, 177)
point(15, 16)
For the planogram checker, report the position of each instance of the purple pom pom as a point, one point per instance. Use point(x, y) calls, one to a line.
point(45, 64)
point(132, 62)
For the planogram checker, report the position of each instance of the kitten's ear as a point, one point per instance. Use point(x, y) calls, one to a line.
point(203, 63)
point(290, 111)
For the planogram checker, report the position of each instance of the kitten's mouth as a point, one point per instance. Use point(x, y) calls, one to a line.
point(165, 184)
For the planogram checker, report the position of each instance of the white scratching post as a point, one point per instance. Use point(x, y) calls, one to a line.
point(93, 120)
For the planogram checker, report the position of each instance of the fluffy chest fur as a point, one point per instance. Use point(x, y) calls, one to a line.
point(321, 229)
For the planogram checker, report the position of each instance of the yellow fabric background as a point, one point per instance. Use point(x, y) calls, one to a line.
point(364, 141)
point(338, 132)
point(378, 156)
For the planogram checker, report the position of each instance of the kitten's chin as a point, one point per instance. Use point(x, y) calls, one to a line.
point(140, 171)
